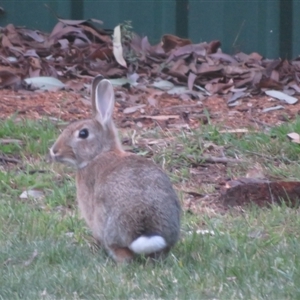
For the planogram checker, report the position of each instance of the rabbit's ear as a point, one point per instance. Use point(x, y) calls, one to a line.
point(103, 100)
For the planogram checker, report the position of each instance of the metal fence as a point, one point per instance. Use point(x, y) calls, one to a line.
point(270, 27)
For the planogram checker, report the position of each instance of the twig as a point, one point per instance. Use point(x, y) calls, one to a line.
point(275, 158)
point(259, 154)
point(10, 159)
point(31, 259)
point(181, 106)
point(239, 32)
point(10, 141)
point(216, 160)
point(260, 123)
point(7, 262)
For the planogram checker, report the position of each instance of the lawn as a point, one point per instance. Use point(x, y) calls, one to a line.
point(46, 250)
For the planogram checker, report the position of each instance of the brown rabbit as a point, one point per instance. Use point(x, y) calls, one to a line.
point(127, 201)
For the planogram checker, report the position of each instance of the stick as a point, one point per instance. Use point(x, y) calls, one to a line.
point(11, 160)
point(182, 106)
point(260, 122)
point(10, 141)
point(31, 259)
point(216, 160)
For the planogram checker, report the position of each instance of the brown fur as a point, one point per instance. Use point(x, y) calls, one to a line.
point(121, 196)
point(121, 255)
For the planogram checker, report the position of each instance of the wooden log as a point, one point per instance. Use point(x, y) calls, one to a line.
point(244, 191)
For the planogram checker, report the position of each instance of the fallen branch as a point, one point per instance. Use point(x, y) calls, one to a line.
point(10, 159)
point(262, 192)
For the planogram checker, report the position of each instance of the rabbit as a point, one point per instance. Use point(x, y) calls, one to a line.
point(126, 200)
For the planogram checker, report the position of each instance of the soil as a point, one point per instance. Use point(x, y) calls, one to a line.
point(70, 106)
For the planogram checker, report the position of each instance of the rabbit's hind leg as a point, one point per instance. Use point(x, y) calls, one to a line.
point(121, 255)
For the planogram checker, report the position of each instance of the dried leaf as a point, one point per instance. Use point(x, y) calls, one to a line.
point(170, 42)
point(270, 84)
point(152, 101)
point(199, 49)
point(6, 42)
point(235, 70)
point(179, 66)
point(206, 69)
point(295, 137)
point(34, 72)
point(68, 30)
point(45, 83)
point(163, 85)
point(282, 96)
point(55, 31)
point(145, 44)
point(177, 90)
point(213, 46)
point(31, 52)
point(9, 79)
point(75, 85)
point(119, 81)
point(31, 194)
point(162, 117)
point(133, 77)
point(93, 31)
point(117, 47)
point(272, 108)
point(289, 92)
point(191, 80)
point(218, 87)
point(238, 130)
point(64, 43)
point(296, 88)
point(130, 110)
point(236, 96)
point(224, 57)
point(78, 22)
point(234, 103)
point(275, 75)
point(117, 72)
point(242, 57)
point(34, 62)
point(35, 35)
point(272, 65)
point(255, 56)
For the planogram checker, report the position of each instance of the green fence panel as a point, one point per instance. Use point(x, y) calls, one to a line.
point(34, 14)
point(270, 27)
point(240, 25)
point(296, 29)
point(152, 18)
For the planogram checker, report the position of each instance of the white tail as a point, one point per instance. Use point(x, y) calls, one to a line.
point(147, 245)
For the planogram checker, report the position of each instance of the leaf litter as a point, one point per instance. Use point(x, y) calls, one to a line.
point(75, 51)
point(174, 84)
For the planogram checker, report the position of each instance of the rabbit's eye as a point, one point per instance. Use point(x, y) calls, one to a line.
point(83, 133)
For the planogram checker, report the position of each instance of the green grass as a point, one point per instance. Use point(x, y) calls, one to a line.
point(46, 250)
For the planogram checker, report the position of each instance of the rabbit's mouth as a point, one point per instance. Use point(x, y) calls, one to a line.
point(65, 160)
point(56, 157)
